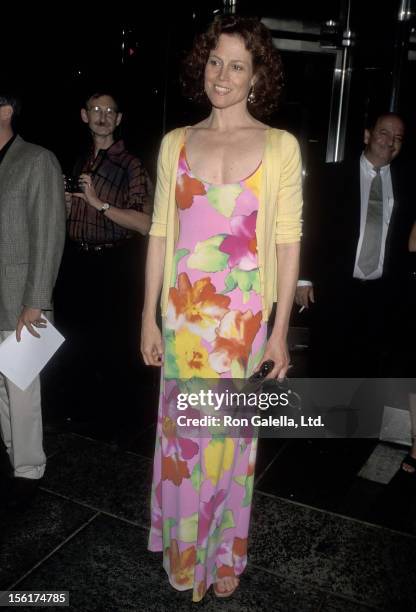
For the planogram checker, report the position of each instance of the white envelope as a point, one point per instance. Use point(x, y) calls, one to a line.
point(22, 361)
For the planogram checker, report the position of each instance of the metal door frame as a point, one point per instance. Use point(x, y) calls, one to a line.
point(341, 78)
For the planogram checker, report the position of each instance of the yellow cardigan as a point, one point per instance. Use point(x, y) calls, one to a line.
point(278, 218)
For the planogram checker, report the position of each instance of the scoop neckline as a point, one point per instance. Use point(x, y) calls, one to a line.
point(217, 184)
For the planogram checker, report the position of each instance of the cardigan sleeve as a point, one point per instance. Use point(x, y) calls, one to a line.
point(289, 203)
point(160, 209)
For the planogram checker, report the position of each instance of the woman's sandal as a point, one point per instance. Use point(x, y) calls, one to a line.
point(409, 460)
point(225, 593)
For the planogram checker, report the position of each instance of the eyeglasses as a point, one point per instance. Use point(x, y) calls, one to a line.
point(110, 112)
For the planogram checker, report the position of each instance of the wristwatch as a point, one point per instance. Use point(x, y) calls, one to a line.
point(104, 207)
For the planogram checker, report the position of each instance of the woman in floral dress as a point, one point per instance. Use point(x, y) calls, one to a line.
point(224, 243)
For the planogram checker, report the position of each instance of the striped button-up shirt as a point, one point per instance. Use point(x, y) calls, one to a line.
point(120, 179)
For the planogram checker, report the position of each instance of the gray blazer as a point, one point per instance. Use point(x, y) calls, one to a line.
point(32, 229)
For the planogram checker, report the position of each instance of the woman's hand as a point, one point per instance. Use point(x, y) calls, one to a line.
point(151, 344)
point(277, 351)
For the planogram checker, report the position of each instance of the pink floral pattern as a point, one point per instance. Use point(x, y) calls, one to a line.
point(241, 245)
point(202, 487)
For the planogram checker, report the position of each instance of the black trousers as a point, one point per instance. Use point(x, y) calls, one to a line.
point(98, 303)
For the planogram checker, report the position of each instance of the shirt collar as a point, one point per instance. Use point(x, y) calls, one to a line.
point(6, 147)
point(116, 148)
point(368, 166)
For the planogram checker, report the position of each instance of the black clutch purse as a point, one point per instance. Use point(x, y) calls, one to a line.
point(258, 383)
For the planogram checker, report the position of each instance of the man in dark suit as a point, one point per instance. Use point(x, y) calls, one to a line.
point(32, 232)
point(355, 238)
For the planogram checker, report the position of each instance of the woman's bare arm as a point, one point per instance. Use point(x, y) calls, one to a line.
point(151, 339)
point(287, 276)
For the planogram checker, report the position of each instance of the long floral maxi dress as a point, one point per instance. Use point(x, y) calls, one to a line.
point(202, 487)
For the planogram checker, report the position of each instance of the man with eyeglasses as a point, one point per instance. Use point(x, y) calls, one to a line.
point(115, 201)
point(32, 234)
point(99, 288)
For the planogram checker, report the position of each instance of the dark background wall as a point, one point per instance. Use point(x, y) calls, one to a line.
point(55, 57)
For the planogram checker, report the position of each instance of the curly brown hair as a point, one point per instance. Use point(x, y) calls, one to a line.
point(267, 64)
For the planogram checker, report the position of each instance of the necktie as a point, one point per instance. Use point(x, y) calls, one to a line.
point(371, 246)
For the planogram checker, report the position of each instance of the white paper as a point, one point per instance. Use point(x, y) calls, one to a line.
point(395, 426)
point(22, 361)
point(382, 464)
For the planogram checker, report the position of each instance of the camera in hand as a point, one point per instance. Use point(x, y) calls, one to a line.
point(73, 184)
